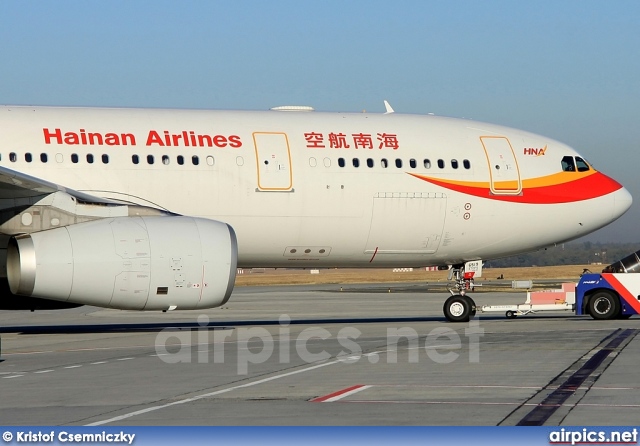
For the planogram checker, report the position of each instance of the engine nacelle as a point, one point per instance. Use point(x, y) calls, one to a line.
point(133, 263)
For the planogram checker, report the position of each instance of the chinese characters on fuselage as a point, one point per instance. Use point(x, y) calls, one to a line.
point(317, 140)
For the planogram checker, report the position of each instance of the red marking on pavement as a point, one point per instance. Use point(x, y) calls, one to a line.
point(339, 393)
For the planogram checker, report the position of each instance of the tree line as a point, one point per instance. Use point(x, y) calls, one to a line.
point(575, 253)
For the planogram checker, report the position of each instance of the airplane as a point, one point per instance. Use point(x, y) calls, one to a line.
point(155, 209)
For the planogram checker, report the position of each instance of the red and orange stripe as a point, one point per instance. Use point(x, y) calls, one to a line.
point(562, 187)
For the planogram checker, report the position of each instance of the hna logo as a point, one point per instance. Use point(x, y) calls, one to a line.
point(535, 152)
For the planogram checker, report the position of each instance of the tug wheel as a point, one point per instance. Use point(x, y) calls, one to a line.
point(604, 305)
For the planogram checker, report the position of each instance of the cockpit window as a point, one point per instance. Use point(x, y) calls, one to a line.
point(582, 164)
point(568, 164)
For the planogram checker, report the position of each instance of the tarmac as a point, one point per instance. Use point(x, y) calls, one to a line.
point(318, 355)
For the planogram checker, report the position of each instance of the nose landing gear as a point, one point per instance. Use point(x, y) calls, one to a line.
point(459, 307)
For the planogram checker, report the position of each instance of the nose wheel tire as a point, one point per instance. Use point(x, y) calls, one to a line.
point(459, 308)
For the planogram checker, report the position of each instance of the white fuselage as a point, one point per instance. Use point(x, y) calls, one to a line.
point(309, 189)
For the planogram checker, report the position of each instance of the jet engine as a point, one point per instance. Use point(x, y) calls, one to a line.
point(132, 263)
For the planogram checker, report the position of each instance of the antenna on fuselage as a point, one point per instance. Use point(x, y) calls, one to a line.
point(388, 108)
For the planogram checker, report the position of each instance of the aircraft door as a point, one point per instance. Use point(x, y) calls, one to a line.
point(274, 161)
point(503, 166)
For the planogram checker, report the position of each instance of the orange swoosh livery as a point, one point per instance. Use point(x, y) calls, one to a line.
point(562, 187)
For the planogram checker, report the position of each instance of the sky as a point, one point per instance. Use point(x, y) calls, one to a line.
point(566, 69)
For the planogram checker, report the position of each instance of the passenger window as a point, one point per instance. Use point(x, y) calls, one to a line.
point(398, 163)
point(441, 164)
point(43, 157)
point(165, 160)
point(89, 158)
point(150, 159)
point(195, 160)
point(13, 157)
point(369, 162)
point(568, 165)
point(454, 164)
point(413, 163)
point(135, 159)
point(105, 158)
point(384, 163)
point(427, 164)
point(74, 158)
point(180, 160)
point(582, 164)
point(341, 162)
point(211, 161)
point(356, 162)
point(466, 164)
point(28, 158)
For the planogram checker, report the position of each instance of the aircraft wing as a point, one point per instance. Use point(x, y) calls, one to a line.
point(15, 185)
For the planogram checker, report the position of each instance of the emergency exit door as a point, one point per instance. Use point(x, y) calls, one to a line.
point(503, 167)
point(274, 161)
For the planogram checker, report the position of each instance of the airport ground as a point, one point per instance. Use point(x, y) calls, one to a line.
point(502, 277)
point(322, 354)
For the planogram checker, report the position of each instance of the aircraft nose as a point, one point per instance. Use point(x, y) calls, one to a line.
point(622, 202)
